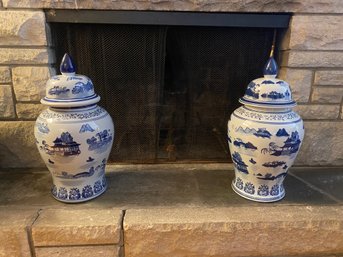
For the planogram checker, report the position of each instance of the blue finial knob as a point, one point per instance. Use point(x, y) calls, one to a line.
point(271, 68)
point(67, 64)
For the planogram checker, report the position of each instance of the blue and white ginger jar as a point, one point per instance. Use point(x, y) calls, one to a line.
point(74, 136)
point(264, 137)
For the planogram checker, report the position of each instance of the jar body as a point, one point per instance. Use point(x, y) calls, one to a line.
point(75, 144)
point(263, 144)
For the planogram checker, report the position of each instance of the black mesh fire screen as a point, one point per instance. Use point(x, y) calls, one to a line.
point(170, 90)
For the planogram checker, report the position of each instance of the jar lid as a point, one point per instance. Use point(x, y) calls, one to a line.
point(69, 89)
point(268, 92)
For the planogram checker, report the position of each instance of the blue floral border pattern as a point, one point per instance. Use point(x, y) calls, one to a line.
point(72, 116)
point(76, 194)
point(262, 190)
point(289, 116)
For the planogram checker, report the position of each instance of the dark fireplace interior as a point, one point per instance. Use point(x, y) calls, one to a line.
point(169, 89)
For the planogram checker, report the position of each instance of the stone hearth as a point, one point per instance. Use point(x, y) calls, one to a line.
point(312, 62)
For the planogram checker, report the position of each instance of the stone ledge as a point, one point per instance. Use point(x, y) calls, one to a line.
point(58, 227)
point(14, 224)
point(236, 231)
point(173, 210)
point(312, 59)
point(307, 6)
point(81, 251)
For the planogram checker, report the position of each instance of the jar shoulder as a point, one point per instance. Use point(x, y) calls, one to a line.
point(72, 115)
point(266, 116)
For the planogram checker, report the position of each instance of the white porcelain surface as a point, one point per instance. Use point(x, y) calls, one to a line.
point(74, 136)
point(75, 145)
point(263, 146)
point(264, 137)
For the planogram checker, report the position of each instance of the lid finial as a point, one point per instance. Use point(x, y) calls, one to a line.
point(67, 65)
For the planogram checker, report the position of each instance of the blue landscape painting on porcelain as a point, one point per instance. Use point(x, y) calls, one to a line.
point(270, 176)
point(291, 146)
point(81, 87)
point(275, 95)
point(63, 145)
point(99, 170)
point(86, 128)
point(252, 90)
point(43, 127)
point(56, 90)
point(100, 141)
point(239, 163)
point(238, 142)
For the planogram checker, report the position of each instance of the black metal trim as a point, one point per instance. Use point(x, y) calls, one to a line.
point(170, 18)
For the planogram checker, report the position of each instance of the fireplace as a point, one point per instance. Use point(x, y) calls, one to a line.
point(170, 88)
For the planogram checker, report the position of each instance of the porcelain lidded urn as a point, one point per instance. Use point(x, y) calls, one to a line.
point(264, 137)
point(74, 136)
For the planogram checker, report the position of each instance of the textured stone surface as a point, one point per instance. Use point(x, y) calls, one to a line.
point(317, 59)
point(316, 32)
point(29, 111)
point(40, 3)
point(318, 112)
point(322, 144)
point(5, 75)
point(300, 82)
point(29, 82)
point(17, 145)
point(235, 231)
point(13, 231)
point(24, 56)
point(22, 28)
point(329, 77)
point(6, 102)
point(327, 94)
point(311, 6)
point(82, 227)
point(79, 251)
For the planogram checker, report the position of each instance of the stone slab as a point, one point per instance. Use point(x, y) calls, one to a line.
point(234, 231)
point(17, 145)
point(5, 75)
point(322, 144)
point(329, 77)
point(14, 224)
point(327, 94)
point(151, 186)
point(6, 102)
point(29, 82)
point(300, 82)
point(22, 28)
point(79, 251)
point(313, 59)
point(318, 112)
point(58, 227)
point(329, 181)
point(25, 56)
point(316, 32)
point(307, 6)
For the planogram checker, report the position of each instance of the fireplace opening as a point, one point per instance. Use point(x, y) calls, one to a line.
point(170, 89)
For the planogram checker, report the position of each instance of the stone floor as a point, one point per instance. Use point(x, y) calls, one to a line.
point(144, 204)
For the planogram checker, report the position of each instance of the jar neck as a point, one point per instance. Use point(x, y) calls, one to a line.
point(268, 109)
point(75, 109)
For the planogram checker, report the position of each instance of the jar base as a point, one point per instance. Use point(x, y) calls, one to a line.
point(255, 198)
point(81, 193)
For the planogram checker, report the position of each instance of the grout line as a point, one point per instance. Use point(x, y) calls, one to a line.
point(122, 235)
point(317, 189)
point(29, 234)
